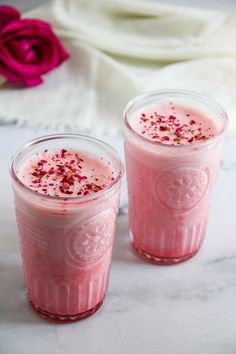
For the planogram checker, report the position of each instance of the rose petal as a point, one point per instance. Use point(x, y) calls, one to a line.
point(11, 76)
point(22, 50)
point(7, 15)
point(34, 28)
point(28, 49)
point(33, 81)
point(16, 78)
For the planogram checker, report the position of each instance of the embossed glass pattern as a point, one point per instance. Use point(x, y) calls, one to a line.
point(170, 186)
point(66, 244)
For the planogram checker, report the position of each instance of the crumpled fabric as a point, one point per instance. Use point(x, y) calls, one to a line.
point(120, 49)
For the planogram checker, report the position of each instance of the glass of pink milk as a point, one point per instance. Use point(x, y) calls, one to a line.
point(173, 141)
point(66, 189)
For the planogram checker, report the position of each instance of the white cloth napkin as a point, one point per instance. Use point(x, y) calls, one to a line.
point(121, 48)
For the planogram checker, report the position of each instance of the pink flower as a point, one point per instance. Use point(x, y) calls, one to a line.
point(28, 48)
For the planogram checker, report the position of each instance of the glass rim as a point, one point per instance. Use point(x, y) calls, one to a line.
point(184, 93)
point(58, 136)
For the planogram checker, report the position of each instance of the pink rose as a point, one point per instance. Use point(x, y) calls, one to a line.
point(28, 48)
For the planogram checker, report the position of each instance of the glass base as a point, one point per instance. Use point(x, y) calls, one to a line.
point(162, 260)
point(66, 318)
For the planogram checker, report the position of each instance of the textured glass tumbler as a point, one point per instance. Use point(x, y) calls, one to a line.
point(66, 244)
point(170, 186)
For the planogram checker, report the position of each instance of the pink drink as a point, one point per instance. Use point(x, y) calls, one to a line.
point(66, 198)
point(172, 145)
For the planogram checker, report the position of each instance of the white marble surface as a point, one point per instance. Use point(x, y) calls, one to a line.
point(188, 308)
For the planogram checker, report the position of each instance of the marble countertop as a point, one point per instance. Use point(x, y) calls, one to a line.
point(187, 308)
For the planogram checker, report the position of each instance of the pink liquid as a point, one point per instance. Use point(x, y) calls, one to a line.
point(66, 245)
point(173, 125)
point(66, 173)
point(170, 188)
